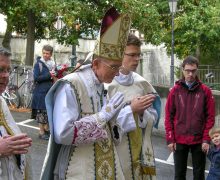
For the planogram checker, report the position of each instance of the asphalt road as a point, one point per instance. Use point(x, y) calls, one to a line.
point(164, 167)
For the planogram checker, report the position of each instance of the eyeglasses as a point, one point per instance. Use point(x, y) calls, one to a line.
point(188, 71)
point(134, 55)
point(113, 68)
point(4, 71)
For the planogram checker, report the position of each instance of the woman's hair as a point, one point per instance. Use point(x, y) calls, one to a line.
point(48, 47)
point(213, 131)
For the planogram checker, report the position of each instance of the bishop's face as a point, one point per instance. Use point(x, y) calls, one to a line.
point(106, 70)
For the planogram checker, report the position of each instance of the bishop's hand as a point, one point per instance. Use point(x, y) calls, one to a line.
point(111, 108)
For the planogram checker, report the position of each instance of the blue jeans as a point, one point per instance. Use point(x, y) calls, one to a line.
point(198, 161)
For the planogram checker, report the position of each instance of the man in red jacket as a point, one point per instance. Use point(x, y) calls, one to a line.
point(189, 115)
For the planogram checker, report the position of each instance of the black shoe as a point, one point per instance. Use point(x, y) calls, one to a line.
point(44, 136)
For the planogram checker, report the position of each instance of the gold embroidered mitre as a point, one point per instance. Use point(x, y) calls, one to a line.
point(113, 35)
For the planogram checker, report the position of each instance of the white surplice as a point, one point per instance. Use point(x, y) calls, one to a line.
point(132, 132)
point(85, 149)
point(10, 169)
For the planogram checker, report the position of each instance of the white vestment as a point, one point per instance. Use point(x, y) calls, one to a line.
point(84, 147)
point(134, 145)
point(11, 167)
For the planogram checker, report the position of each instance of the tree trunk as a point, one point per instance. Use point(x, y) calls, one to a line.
point(7, 37)
point(30, 38)
point(198, 52)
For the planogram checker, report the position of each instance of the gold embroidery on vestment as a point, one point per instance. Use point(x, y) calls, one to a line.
point(136, 144)
point(104, 150)
point(4, 123)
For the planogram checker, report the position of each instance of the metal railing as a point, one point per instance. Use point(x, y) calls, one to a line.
point(208, 74)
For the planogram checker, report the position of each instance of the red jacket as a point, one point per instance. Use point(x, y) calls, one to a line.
point(189, 113)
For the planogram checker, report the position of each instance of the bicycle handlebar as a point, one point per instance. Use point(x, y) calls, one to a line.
point(24, 71)
point(15, 67)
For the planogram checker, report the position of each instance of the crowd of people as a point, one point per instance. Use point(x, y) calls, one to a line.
point(99, 118)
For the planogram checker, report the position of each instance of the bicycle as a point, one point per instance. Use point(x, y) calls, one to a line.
point(26, 88)
point(11, 94)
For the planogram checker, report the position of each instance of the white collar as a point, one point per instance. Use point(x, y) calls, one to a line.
point(125, 79)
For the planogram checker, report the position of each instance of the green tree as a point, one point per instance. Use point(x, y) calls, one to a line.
point(196, 22)
point(7, 8)
point(197, 28)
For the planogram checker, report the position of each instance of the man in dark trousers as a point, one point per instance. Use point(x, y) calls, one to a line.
point(189, 115)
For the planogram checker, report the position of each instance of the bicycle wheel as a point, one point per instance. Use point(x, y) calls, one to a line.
point(26, 96)
point(12, 97)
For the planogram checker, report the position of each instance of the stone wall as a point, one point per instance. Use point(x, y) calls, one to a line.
point(61, 53)
point(155, 66)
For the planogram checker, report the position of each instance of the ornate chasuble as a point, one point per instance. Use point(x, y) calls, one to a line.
point(135, 149)
point(8, 127)
point(97, 160)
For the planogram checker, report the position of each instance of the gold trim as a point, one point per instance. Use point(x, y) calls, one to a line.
point(148, 170)
point(135, 138)
point(114, 51)
point(4, 123)
point(9, 131)
point(104, 162)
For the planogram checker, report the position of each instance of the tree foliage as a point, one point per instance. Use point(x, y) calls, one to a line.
point(197, 28)
point(196, 31)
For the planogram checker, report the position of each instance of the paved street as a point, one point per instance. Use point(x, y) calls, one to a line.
point(38, 150)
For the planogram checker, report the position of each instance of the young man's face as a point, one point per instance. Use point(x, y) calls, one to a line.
point(5, 64)
point(106, 70)
point(46, 55)
point(216, 139)
point(131, 58)
point(190, 72)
